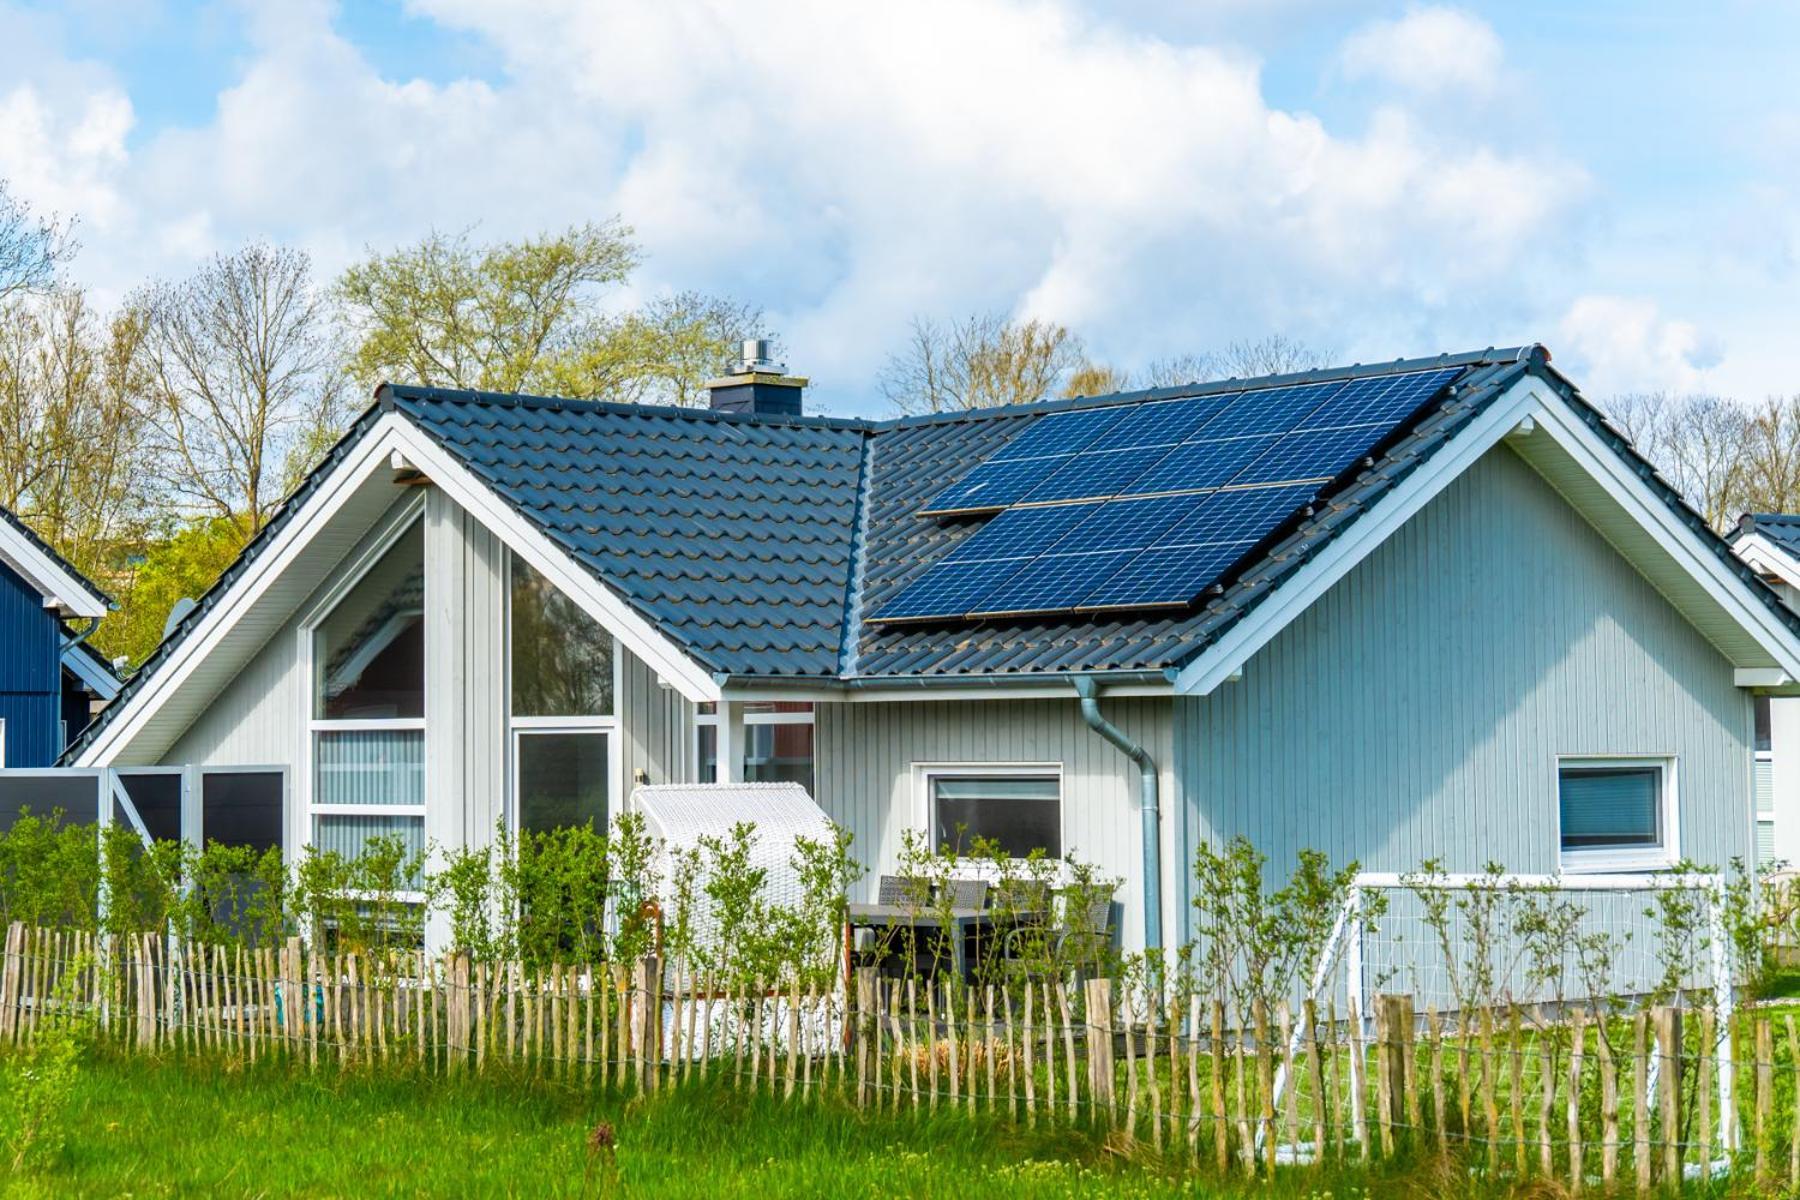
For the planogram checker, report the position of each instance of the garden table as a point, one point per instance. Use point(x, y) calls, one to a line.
point(959, 921)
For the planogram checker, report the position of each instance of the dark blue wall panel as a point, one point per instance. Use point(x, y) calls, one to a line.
point(30, 674)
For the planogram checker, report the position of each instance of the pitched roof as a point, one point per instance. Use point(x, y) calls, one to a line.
point(758, 544)
point(1783, 529)
point(46, 570)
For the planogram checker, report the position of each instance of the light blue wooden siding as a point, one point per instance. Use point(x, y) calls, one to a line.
point(1419, 707)
point(865, 780)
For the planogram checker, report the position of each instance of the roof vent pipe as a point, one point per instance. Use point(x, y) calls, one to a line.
point(1148, 810)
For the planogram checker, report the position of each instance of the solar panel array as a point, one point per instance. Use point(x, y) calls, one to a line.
point(1146, 505)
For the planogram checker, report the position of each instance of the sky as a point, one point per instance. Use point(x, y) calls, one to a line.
point(1618, 180)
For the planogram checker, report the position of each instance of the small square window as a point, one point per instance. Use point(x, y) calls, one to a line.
point(1022, 813)
point(1616, 814)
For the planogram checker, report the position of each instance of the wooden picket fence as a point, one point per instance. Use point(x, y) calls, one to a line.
point(1643, 1096)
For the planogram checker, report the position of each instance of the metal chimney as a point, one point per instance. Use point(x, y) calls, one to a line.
point(758, 384)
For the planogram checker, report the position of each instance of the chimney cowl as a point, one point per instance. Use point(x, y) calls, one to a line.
point(758, 384)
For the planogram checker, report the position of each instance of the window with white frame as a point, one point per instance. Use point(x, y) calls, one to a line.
point(778, 743)
point(1017, 806)
point(563, 680)
point(367, 655)
point(1617, 813)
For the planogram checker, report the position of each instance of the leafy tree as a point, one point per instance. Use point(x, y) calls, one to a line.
point(1095, 379)
point(532, 316)
point(982, 361)
point(70, 432)
point(182, 565)
point(241, 380)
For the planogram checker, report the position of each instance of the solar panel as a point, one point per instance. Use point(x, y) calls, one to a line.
point(1164, 576)
point(1061, 433)
point(1126, 524)
point(1275, 410)
point(949, 589)
point(1313, 454)
point(1195, 465)
point(1145, 505)
point(1049, 583)
point(1379, 401)
point(994, 484)
point(1021, 532)
point(1085, 475)
point(1163, 423)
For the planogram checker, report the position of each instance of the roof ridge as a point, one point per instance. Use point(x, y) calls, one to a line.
point(1533, 351)
point(388, 394)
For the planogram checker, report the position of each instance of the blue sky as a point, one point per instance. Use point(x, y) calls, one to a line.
point(1617, 180)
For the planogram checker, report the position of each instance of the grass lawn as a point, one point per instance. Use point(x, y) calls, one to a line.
point(194, 1128)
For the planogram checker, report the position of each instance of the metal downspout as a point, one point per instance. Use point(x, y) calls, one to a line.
point(1148, 809)
point(75, 639)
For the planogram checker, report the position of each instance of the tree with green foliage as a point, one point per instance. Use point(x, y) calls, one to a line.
point(533, 316)
point(182, 565)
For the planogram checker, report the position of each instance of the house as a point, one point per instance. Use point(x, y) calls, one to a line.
point(51, 681)
point(1436, 608)
point(1770, 543)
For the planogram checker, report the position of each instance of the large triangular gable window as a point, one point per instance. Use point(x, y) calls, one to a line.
point(367, 656)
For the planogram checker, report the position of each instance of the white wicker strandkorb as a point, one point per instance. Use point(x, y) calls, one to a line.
point(678, 815)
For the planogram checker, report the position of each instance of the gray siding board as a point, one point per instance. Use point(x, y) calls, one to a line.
point(866, 753)
point(1418, 708)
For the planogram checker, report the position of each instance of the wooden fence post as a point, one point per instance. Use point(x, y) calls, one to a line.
point(1393, 1029)
point(1667, 1022)
point(864, 1030)
point(648, 1021)
point(1100, 1045)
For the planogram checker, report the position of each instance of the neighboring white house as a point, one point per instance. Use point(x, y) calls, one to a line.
point(1437, 608)
point(1770, 542)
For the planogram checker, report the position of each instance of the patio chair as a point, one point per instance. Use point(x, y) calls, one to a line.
point(901, 950)
point(1075, 945)
point(968, 893)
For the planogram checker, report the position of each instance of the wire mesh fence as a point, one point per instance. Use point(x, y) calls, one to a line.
point(1597, 1092)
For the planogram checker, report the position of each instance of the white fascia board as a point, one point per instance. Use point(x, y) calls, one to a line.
point(1578, 439)
point(61, 589)
point(103, 683)
point(638, 635)
point(1226, 657)
point(390, 433)
point(1768, 558)
point(948, 690)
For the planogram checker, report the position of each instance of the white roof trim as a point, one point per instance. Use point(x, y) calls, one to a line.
point(81, 664)
point(393, 432)
point(1529, 399)
point(1764, 555)
point(60, 587)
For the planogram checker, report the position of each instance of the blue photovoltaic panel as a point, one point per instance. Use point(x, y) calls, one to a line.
point(1049, 583)
point(1093, 474)
point(1379, 401)
point(1165, 576)
point(1196, 465)
point(994, 484)
point(1250, 513)
point(1314, 454)
point(1153, 529)
point(1162, 423)
point(949, 589)
point(1061, 433)
point(1127, 524)
point(1274, 410)
point(1021, 532)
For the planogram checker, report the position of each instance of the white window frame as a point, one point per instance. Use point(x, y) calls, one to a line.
point(923, 773)
point(2, 741)
point(1603, 860)
point(399, 522)
point(703, 720)
point(609, 726)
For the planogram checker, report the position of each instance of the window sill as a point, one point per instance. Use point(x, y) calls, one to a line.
point(1616, 862)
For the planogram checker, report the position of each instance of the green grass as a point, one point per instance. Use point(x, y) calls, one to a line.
point(143, 1128)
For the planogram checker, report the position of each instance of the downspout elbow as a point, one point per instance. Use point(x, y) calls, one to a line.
point(1149, 810)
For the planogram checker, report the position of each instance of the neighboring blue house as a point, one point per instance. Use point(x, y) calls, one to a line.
point(1432, 608)
point(50, 682)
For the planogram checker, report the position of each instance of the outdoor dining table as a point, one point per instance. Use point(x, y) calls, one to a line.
point(959, 920)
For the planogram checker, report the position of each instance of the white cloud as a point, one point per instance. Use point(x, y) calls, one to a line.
point(848, 166)
point(1429, 51)
point(1618, 344)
